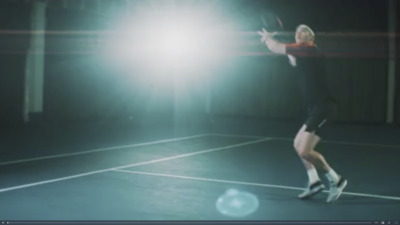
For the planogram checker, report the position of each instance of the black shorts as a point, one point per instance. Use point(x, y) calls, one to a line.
point(319, 115)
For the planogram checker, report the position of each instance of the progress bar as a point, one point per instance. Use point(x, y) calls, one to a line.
point(230, 222)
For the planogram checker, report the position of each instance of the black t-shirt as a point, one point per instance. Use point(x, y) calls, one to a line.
point(310, 65)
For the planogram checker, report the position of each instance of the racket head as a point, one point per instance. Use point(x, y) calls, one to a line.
point(271, 21)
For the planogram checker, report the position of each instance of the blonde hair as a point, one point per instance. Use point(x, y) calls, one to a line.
point(305, 28)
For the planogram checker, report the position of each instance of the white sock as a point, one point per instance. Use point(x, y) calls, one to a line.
point(312, 175)
point(332, 176)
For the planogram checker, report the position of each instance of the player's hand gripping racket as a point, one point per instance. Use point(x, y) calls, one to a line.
point(265, 35)
point(271, 24)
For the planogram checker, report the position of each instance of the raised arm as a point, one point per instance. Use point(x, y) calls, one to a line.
point(273, 45)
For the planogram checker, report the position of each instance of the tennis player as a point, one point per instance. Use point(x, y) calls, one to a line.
point(308, 62)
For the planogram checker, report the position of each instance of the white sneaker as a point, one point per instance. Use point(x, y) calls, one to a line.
point(336, 189)
point(312, 190)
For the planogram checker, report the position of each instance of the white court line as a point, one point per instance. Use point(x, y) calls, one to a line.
point(251, 184)
point(101, 150)
point(132, 165)
point(238, 136)
point(323, 141)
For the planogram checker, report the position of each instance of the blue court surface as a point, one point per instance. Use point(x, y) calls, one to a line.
point(160, 176)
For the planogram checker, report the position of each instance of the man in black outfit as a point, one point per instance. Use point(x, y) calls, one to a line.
point(308, 63)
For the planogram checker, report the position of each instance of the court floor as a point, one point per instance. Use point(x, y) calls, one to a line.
point(181, 178)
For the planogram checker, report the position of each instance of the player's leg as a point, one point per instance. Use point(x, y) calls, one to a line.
point(315, 185)
point(306, 151)
point(309, 139)
point(297, 143)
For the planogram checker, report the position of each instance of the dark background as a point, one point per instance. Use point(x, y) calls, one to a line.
point(78, 87)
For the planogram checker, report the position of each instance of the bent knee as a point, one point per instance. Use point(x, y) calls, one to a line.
point(304, 153)
point(297, 143)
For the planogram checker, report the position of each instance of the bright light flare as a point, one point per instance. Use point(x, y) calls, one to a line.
point(172, 42)
point(178, 45)
point(168, 39)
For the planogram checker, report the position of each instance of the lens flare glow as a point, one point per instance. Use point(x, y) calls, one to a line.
point(235, 203)
point(183, 40)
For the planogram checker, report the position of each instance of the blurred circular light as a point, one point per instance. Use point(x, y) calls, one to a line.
point(237, 203)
